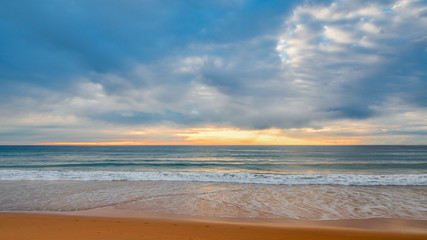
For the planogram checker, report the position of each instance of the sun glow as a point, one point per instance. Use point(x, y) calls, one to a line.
point(234, 136)
point(221, 136)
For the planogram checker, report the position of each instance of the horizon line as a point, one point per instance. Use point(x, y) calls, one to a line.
point(187, 144)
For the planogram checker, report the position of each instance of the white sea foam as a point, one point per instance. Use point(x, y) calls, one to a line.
point(225, 177)
point(314, 202)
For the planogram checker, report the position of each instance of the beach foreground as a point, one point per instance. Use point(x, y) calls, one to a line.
point(60, 226)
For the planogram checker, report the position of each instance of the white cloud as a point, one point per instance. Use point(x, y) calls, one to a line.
point(190, 64)
point(353, 24)
point(338, 35)
point(348, 58)
point(352, 35)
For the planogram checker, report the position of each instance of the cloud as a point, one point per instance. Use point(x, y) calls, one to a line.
point(355, 55)
point(43, 41)
point(254, 65)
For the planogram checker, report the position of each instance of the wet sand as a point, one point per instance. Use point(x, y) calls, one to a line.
point(84, 226)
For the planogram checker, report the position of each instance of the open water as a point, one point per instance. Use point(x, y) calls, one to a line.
point(303, 182)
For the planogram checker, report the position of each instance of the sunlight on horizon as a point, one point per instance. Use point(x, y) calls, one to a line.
point(219, 136)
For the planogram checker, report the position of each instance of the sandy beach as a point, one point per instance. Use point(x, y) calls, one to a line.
point(48, 226)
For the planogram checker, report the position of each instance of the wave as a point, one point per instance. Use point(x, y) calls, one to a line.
point(240, 165)
point(223, 177)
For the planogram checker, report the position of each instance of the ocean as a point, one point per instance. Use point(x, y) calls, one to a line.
point(301, 182)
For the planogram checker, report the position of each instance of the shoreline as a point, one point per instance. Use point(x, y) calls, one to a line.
point(107, 223)
point(376, 224)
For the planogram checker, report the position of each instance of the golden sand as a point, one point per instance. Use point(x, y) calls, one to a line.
point(62, 227)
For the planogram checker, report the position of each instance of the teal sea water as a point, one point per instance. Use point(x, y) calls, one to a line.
point(305, 182)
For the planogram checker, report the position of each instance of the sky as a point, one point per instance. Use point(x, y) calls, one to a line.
point(138, 72)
